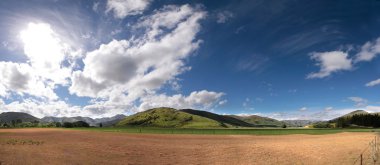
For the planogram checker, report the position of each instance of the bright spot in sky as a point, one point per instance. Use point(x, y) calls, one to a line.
point(42, 46)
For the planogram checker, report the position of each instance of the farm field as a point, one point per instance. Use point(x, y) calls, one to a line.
point(236, 131)
point(74, 146)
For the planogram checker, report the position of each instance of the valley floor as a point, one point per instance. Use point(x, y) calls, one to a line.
point(63, 146)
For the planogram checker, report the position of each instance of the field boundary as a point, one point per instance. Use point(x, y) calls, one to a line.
point(370, 154)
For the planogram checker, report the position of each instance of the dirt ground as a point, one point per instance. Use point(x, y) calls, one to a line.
point(60, 146)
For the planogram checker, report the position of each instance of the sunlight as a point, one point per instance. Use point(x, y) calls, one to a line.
point(42, 45)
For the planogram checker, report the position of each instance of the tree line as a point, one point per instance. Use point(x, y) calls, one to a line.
point(365, 120)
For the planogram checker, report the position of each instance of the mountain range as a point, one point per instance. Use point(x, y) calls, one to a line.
point(107, 121)
point(7, 117)
point(169, 117)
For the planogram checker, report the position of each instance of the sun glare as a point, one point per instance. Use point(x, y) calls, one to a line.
point(41, 44)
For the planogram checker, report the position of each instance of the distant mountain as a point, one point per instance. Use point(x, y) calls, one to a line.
point(229, 120)
point(107, 121)
point(7, 117)
point(259, 120)
point(299, 123)
point(169, 118)
point(110, 121)
point(68, 119)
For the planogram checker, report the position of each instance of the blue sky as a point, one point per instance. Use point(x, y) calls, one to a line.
point(286, 60)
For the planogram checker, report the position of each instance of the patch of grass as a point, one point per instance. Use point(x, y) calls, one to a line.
point(247, 131)
point(21, 142)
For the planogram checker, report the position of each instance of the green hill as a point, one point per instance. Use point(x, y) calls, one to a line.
point(219, 118)
point(349, 115)
point(169, 118)
point(358, 118)
point(259, 120)
point(357, 112)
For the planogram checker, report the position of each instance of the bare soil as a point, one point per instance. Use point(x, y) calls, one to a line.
point(60, 146)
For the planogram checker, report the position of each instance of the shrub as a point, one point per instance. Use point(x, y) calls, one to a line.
point(58, 124)
point(68, 125)
point(81, 124)
point(323, 125)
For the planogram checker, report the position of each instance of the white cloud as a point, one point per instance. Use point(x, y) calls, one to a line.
point(141, 65)
point(303, 109)
point(124, 8)
point(330, 62)
point(373, 83)
point(335, 61)
point(359, 102)
point(224, 16)
point(21, 79)
point(368, 51)
point(223, 102)
point(167, 17)
point(84, 86)
point(204, 100)
point(44, 108)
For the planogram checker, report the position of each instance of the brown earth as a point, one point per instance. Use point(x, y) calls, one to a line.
point(62, 146)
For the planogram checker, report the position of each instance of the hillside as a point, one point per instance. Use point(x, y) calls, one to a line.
point(7, 117)
point(229, 120)
point(169, 117)
point(349, 115)
point(258, 120)
point(357, 112)
point(358, 118)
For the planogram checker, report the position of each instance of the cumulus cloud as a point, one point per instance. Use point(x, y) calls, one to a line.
point(21, 79)
point(335, 61)
point(359, 102)
point(368, 51)
point(330, 62)
point(124, 8)
point(198, 99)
point(373, 83)
point(142, 65)
point(44, 108)
point(224, 16)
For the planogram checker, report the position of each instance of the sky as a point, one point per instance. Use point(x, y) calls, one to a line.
point(288, 59)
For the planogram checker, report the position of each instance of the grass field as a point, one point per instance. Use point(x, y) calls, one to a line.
point(257, 131)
